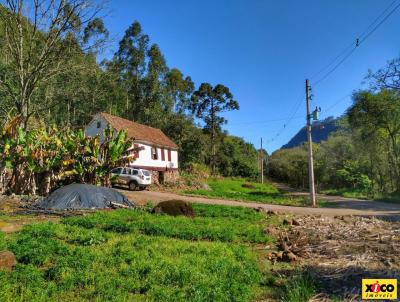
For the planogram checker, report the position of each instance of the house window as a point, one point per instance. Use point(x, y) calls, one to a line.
point(169, 155)
point(98, 124)
point(136, 151)
point(162, 154)
point(154, 154)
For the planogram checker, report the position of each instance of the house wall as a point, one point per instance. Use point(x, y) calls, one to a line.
point(92, 130)
point(144, 160)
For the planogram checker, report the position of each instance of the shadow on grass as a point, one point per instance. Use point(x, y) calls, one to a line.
point(266, 194)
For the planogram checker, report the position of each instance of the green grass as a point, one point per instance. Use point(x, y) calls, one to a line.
point(346, 193)
point(127, 255)
point(3, 243)
point(391, 198)
point(299, 288)
point(240, 189)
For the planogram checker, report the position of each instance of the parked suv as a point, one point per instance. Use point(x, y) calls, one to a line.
point(131, 177)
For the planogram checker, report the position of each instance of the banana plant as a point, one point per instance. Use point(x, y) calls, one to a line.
point(39, 158)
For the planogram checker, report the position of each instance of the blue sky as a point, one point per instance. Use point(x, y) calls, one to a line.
point(263, 51)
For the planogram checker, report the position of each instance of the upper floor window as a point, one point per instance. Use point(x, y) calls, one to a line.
point(154, 153)
point(169, 155)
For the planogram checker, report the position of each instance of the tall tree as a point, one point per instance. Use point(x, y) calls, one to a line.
point(40, 37)
point(207, 103)
point(179, 89)
point(130, 61)
point(378, 115)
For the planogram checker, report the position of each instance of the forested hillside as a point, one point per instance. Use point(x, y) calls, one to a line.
point(320, 132)
point(363, 156)
point(50, 75)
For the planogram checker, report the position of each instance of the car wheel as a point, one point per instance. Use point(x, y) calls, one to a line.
point(132, 186)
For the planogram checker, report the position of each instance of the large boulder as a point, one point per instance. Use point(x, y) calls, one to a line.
point(7, 260)
point(175, 208)
point(82, 196)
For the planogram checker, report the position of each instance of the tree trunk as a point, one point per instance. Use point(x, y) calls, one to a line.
point(213, 138)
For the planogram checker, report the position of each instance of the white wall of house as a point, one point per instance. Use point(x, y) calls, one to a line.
point(92, 129)
point(145, 160)
point(145, 157)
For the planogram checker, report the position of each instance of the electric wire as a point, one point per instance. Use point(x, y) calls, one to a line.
point(344, 55)
point(359, 40)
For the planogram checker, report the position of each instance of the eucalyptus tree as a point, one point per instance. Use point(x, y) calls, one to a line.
point(179, 89)
point(130, 62)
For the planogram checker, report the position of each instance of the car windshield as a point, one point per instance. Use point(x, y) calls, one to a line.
point(146, 173)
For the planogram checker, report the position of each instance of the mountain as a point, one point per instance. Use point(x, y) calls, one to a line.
point(320, 132)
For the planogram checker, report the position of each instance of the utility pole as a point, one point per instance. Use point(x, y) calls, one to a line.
point(310, 151)
point(262, 162)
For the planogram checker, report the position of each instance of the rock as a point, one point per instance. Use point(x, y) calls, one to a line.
point(295, 222)
point(288, 256)
point(174, 208)
point(7, 260)
point(271, 212)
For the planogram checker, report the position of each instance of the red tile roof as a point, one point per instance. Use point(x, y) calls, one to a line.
point(138, 131)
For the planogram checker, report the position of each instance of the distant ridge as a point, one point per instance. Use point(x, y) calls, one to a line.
point(320, 132)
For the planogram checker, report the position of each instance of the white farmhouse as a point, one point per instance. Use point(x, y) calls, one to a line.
point(157, 152)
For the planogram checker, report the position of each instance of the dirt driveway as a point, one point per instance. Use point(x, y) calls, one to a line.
point(336, 206)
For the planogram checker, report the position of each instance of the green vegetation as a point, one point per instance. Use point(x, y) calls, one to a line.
point(362, 158)
point(127, 255)
point(299, 288)
point(346, 193)
point(38, 159)
point(209, 225)
point(2, 241)
point(392, 198)
point(67, 87)
point(240, 189)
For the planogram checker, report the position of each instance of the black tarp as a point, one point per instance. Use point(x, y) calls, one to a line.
point(82, 196)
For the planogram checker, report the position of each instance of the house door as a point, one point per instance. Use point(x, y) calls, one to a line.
point(161, 177)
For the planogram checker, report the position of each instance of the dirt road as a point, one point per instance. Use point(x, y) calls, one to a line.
point(336, 205)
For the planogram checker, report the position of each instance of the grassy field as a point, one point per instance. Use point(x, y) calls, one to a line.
point(240, 189)
point(132, 255)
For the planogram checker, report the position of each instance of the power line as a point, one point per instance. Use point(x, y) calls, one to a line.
point(346, 53)
point(349, 50)
point(265, 121)
point(382, 21)
point(337, 102)
point(283, 128)
point(350, 46)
